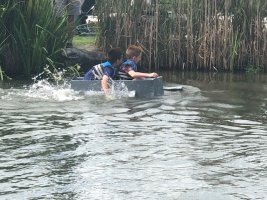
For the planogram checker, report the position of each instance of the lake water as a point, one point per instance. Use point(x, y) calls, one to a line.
point(207, 142)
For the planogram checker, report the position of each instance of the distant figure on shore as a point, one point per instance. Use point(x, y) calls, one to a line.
point(86, 9)
point(73, 8)
point(128, 69)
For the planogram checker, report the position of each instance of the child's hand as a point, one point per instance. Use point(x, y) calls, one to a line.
point(153, 75)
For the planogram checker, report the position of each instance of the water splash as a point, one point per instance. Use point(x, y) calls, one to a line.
point(43, 90)
point(54, 86)
point(117, 90)
point(120, 90)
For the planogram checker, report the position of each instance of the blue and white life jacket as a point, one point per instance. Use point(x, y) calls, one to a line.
point(122, 74)
point(98, 70)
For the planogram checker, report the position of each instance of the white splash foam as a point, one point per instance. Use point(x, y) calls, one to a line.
point(42, 90)
point(120, 90)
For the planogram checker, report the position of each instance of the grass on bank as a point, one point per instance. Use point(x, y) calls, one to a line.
point(84, 41)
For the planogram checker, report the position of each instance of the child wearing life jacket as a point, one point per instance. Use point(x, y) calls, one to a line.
point(128, 69)
point(105, 71)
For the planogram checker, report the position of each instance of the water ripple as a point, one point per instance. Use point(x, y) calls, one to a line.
point(179, 146)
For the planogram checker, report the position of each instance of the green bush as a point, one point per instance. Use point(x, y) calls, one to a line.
point(31, 35)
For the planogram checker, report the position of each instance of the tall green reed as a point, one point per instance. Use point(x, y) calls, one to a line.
point(34, 35)
point(224, 35)
point(1, 74)
point(2, 38)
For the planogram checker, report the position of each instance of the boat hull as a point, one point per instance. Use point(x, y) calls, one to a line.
point(150, 87)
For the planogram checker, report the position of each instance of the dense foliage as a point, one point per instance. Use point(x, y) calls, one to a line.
point(32, 36)
point(223, 35)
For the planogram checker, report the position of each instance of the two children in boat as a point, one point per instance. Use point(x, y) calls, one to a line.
point(114, 68)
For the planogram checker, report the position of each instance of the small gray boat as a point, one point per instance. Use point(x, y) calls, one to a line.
point(147, 88)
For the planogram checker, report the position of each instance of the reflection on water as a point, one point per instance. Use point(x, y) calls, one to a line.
point(206, 142)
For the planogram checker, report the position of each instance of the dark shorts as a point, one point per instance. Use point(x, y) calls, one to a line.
point(73, 7)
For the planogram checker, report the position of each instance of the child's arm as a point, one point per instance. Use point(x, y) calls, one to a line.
point(104, 84)
point(138, 75)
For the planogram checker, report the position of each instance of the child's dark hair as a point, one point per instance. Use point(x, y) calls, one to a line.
point(114, 54)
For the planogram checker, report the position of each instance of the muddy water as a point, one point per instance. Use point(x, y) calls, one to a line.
point(207, 142)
